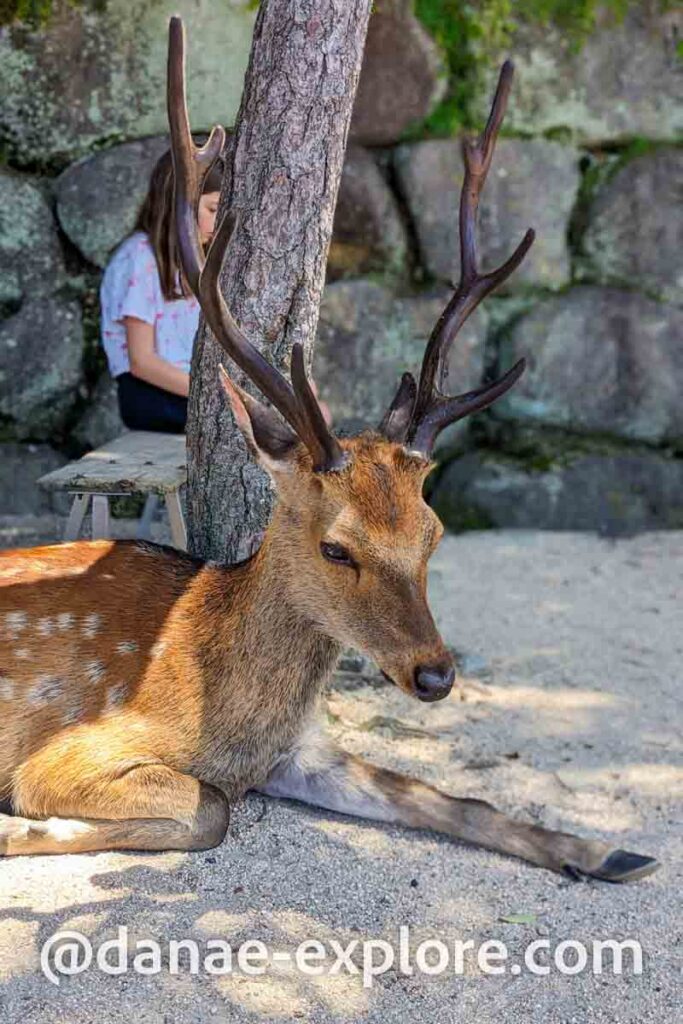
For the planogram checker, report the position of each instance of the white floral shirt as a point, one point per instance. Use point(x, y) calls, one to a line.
point(131, 287)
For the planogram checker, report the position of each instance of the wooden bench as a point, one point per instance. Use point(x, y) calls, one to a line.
point(139, 462)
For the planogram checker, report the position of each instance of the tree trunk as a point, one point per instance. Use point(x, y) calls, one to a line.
point(284, 166)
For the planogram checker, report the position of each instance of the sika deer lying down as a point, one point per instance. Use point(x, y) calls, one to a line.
point(136, 726)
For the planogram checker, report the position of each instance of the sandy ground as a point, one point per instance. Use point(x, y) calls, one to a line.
point(569, 713)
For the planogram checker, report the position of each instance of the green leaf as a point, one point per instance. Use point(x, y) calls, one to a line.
point(518, 918)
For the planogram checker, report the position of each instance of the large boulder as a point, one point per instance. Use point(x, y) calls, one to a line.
point(623, 81)
point(41, 355)
point(635, 227)
point(98, 198)
point(367, 338)
point(20, 467)
point(430, 175)
point(402, 78)
point(101, 421)
point(30, 255)
point(600, 360)
point(97, 72)
point(368, 231)
point(610, 493)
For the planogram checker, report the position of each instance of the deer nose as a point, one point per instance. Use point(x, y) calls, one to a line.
point(433, 682)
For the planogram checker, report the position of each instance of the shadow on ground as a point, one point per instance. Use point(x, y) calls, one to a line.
point(568, 714)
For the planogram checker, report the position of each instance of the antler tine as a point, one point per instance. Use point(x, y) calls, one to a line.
point(477, 155)
point(397, 418)
point(448, 410)
point(267, 378)
point(190, 162)
point(434, 410)
point(315, 432)
point(299, 406)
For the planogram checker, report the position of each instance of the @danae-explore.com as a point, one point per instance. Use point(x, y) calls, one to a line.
point(69, 953)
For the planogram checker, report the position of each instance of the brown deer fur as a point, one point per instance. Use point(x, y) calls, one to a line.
point(208, 670)
point(143, 691)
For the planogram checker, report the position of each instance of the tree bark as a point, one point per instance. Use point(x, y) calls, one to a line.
point(283, 168)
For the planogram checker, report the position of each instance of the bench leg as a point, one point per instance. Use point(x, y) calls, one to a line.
point(100, 517)
point(76, 517)
point(145, 524)
point(177, 520)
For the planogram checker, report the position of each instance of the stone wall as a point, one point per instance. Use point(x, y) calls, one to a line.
point(592, 437)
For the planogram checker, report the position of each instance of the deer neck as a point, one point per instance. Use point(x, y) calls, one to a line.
point(264, 666)
point(270, 641)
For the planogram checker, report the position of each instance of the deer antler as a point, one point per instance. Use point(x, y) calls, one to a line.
point(419, 413)
point(297, 404)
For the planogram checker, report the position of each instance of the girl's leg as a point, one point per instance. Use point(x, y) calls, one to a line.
point(146, 407)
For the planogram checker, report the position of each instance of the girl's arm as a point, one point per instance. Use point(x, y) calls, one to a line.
point(147, 365)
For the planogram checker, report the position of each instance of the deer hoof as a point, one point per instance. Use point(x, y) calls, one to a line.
point(622, 866)
point(618, 866)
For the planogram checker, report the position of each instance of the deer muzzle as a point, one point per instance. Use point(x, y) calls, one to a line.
point(433, 682)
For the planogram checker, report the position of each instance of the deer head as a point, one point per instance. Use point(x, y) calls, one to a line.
point(351, 534)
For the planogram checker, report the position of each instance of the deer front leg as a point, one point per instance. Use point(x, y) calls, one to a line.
point(71, 801)
point(318, 773)
point(189, 815)
point(26, 836)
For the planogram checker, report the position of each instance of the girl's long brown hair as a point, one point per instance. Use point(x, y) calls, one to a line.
point(157, 221)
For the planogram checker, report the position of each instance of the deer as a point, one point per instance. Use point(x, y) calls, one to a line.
point(139, 725)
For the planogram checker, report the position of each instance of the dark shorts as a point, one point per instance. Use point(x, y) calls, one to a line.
point(146, 407)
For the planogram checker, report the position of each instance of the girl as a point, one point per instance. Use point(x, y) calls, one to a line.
point(149, 316)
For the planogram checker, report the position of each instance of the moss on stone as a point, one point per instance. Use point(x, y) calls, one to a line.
point(94, 359)
point(461, 516)
point(539, 451)
point(127, 506)
point(456, 27)
point(33, 13)
point(7, 429)
point(470, 35)
point(597, 171)
point(577, 17)
point(37, 13)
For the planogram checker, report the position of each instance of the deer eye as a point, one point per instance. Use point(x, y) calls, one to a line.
point(336, 553)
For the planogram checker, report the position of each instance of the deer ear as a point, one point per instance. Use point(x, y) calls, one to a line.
point(268, 438)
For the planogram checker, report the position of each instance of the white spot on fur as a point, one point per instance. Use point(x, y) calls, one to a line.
point(116, 697)
point(158, 648)
point(91, 625)
point(15, 622)
point(65, 620)
point(74, 712)
point(46, 689)
point(22, 654)
point(94, 670)
point(64, 829)
point(46, 626)
point(127, 647)
point(6, 688)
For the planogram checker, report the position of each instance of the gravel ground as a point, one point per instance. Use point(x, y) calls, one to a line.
point(568, 713)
